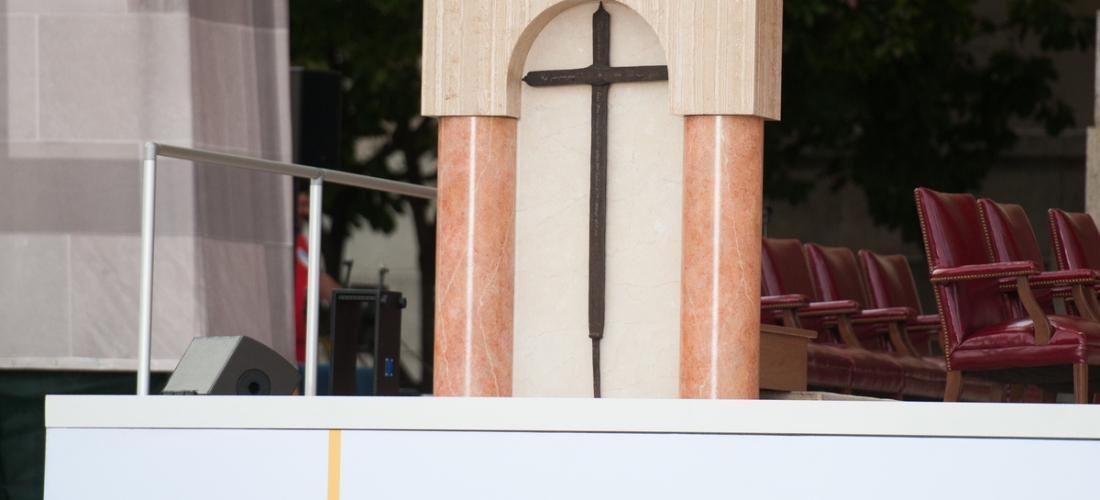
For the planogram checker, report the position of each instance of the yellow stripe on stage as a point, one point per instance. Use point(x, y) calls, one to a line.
point(334, 465)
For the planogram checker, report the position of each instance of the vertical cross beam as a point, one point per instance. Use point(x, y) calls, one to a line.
point(600, 75)
point(597, 200)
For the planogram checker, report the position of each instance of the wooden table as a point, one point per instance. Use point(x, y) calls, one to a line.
point(783, 357)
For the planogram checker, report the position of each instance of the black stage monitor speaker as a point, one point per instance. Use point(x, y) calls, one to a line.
point(234, 366)
point(347, 311)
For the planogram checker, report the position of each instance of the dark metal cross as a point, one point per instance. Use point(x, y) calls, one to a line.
point(600, 75)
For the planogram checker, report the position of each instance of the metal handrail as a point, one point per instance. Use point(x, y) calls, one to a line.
point(317, 176)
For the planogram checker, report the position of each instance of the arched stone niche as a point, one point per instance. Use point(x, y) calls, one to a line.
point(724, 59)
point(724, 56)
point(640, 348)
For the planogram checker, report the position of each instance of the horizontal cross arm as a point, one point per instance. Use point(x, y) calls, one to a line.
point(596, 75)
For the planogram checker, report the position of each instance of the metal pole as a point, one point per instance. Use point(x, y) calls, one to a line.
point(313, 292)
point(148, 202)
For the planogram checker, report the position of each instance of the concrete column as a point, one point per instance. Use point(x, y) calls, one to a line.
point(475, 256)
point(720, 281)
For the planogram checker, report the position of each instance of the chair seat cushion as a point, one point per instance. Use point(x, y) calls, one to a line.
point(923, 379)
point(828, 367)
point(1012, 344)
point(873, 371)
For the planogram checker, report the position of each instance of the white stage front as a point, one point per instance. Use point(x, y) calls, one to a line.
point(211, 447)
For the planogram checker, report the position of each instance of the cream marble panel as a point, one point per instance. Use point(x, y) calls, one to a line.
point(157, 6)
point(640, 348)
point(105, 296)
point(34, 295)
point(280, 295)
point(552, 350)
point(643, 244)
point(21, 78)
point(177, 202)
point(281, 47)
point(63, 150)
point(272, 54)
point(115, 77)
point(242, 205)
point(107, 75)
point(223, 80)
point(69, 196)
point(724, 56)
point(235, 289)
point(66, 6)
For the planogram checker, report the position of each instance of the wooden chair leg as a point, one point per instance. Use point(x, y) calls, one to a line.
point(954, 386)
point(899, 337)
point(1081, 383)
point(1016, 393)
point(790, 319)
point(998, 395)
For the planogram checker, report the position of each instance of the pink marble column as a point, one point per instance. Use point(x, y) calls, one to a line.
point(475, 256)
point(720, 290)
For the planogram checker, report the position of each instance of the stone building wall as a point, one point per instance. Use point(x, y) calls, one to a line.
point(83, 84)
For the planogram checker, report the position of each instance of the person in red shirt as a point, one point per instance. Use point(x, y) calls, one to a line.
point(301, 275)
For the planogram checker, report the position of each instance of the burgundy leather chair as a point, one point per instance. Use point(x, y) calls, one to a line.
point(836, 276)
point(889, 282)
point(1076, 241)
point(1010, 238)
point(785, 273)
point(1051, 351)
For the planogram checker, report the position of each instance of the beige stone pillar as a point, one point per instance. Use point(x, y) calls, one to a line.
point(475, 256)
point(720, 281)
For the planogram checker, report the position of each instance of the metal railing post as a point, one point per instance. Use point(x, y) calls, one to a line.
point(148, 202)
point(313, 292)
point(317, 178)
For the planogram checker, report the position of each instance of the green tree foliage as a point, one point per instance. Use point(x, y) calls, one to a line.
point(375, 45)
point(898, 94)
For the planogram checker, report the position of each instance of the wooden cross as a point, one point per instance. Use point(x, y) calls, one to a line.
point(600, 75)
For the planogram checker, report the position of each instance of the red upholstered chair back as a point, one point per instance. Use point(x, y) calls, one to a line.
point(836, 274)
point(952, 230)
point(1010, 236)
point(1076, 240)
point(783, 269)
point(889, 281)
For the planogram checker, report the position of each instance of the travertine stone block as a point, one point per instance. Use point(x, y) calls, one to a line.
point(724, 56)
